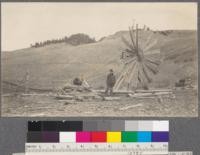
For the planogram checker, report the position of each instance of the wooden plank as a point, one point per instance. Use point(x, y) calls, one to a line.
point(153, 90)
point(132, 39)
point(129, 107)
point(111, 98)
point(141, 75)
point(67, 97)
point(140, 94)
point(137, 37)
point(116, 87)
point(122, 77)
point(146, 73)
point(116, 92)
point(132, 72)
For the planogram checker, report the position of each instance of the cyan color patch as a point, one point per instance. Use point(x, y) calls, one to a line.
point(144, 136)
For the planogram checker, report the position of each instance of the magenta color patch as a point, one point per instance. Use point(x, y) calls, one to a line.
point(83, 137)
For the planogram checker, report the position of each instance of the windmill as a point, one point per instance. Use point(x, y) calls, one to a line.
point(138, 64)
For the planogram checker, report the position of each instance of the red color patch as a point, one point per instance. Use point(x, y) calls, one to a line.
point(98, 136)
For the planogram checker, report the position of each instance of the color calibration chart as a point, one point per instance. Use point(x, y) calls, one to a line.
point(103, 137)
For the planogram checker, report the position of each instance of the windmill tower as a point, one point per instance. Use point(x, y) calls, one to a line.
point(138, 64)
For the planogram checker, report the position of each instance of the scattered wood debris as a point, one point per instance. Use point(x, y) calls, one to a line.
point(129, 107)
point(81, 94)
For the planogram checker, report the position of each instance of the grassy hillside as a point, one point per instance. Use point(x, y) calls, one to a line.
point(92, 61)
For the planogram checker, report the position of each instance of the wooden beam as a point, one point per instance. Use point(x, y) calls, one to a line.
point(129, 75)
point(146, 73)
point(141, 75)
point(152, 62)
point(121, 78)
point(132, 73)
point(132, 39)
point(153, 70)
point(154, 90)
point(137, 37)
point(134, 34)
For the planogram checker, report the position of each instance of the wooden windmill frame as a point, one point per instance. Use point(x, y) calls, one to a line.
point(138, 67)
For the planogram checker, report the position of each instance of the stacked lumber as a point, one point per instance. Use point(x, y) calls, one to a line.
point(70, 88)
point(77, 93)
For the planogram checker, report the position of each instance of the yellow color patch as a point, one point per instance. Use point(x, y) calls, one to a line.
point(113, 137)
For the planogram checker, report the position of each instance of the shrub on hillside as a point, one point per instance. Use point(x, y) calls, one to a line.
point(75, 39)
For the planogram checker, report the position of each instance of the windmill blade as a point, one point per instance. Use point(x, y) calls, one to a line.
point(139, 77)
point(151, 45)
point(146, 73)
point(150, 52)
point(153, 70)
point(135, 75)
point(148, 41)
point(141, 53)
point(153, 62)
point(128, 44)
point(152, 66)
point(122, 76)
point(141, 74)
point(127, 81)
point(134, 68)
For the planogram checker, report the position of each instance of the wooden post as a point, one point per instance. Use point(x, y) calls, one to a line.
point(26, 81)
point(137, 36)
point(144, 28)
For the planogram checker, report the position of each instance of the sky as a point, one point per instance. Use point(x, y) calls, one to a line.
point(23, 24)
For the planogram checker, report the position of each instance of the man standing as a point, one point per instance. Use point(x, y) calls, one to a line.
point(110, 82)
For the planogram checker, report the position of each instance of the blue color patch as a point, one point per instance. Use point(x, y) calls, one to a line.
point(144, 136)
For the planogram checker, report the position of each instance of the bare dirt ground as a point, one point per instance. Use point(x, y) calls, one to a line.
point(185, 104)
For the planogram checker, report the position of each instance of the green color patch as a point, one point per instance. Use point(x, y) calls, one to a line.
point(129, 136)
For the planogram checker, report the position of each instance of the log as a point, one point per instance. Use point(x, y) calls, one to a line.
point(67, 97)
point(36, 95)
point(163, 93)
point(153, 90)
point(110, 98)
point(116, 92)
point(132, 72)
point(149, 94)
point(140, 94)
